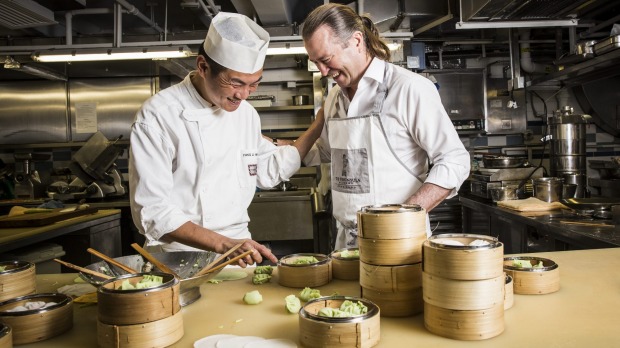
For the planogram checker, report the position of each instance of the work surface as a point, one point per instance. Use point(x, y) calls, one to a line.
point(583, 313)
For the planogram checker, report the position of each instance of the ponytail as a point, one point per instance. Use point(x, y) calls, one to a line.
point(343, 22)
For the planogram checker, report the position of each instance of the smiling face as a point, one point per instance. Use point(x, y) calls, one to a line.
point(226, 89)
point(344, 62)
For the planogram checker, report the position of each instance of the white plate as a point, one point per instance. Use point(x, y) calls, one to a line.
point(210, 341)
point(272, 343)
point(237, 342)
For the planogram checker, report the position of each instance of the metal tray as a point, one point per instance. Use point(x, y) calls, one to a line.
point(608, 44)
point(598, 203)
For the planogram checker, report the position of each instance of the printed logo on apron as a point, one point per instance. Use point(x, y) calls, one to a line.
point(350, 171)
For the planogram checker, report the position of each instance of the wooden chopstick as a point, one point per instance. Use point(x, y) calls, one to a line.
point(83, 270)
point(206, 269)
point(228, 262)
point(153, 260)
point(112, 261)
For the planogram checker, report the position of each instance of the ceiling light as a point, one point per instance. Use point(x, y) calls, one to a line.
point(275, 51)
point(125, 53)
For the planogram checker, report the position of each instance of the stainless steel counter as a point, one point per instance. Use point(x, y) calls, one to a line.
point(558, 230)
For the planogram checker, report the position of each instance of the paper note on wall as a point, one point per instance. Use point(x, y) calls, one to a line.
point(86, 117)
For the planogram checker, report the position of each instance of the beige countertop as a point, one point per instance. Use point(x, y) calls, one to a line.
point(583, 313)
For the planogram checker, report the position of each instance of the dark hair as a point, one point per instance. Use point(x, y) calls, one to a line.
point(215, 67)
point(343, 22)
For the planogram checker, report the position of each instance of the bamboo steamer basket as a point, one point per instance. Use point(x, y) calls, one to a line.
point(358, 331)
point(6, 336)
point(390, 278)
point(127, 307)
point(533, 281)
point(396, 303)
point(463, 262)
point(509, 297)
point(17, 279)
point(345, 268)
point(391, 252)
point(464, 325)
point(155, 334)
point(304, 275)
point(463, 294)
point(38, 324)
point(391, 221)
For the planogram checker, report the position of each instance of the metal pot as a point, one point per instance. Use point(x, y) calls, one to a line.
point(498, 162)
point(301, 100)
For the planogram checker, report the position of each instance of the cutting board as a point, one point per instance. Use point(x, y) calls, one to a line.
point(42, 219)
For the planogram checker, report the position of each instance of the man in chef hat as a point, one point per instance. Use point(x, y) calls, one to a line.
point(197, 153)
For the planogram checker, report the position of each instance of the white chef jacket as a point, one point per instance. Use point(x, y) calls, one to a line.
point(190, 161)
point(418, 129)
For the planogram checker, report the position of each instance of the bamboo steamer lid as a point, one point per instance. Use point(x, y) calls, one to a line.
point(6, 336)
point(358, 331)
point(17, 279)
point(463, 294)
point(38, 324)
point(396, 303)
point(391, 278)
point(509, 297)
point(127, 307)
point(391, 252)
point(533, 281)
point(465, 262)
point(345, 268)
point(156, 334)
point(464, 325)
point(304, 275)
point(391, 221)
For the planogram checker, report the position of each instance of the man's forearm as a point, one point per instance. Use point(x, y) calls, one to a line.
point(428, 196)
point(309, 137)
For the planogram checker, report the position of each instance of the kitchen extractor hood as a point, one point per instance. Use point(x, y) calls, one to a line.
point(23, 14)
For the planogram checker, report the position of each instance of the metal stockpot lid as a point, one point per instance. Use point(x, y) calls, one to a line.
point(391, 208)
point(566, 116)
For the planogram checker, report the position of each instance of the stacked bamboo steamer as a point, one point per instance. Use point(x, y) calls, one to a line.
point(390, 242)
point(17, 279)
point(139, 318)
point(463, 285)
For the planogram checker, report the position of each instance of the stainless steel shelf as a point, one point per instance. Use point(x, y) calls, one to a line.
point(603, 66)
point(285, 108)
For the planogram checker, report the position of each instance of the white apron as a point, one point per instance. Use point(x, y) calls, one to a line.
point(365, 170)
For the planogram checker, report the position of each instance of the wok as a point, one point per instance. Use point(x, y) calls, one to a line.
point(598, 203)
point(499, 162)
point(183, 263)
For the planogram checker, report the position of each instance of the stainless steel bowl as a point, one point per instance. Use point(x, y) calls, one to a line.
point(183, 263)
point(301, 100)
point(506, 193)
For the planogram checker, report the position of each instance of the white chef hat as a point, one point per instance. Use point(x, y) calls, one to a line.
point(236, 42)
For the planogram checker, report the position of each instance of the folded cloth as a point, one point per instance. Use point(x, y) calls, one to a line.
point(530, 204)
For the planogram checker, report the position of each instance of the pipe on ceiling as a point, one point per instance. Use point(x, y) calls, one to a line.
point(134, 11)
point(69, 20)
point(526, 57)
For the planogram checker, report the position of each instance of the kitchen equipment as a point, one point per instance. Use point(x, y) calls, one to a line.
point(485, 179)
point(108, 259)
point(27, 180)
point(567, 133)
point(299, 100)
point(609, 44)
point(160, 333)
point(585, 48)
point(36, 325)
point(345, 268)
point(391, 252)
point(404, 303)
point(261, 100)
point(296, 275)
point(137, 306)
point(17, 279)
point(357, 331)
point(499, 162)
point(391, 278)
point(464, 325)
point(533, 280)
point(392, 221)
point(184, 263)
point(96, 174)
point(44, 218)
point(569, 191)
point(503, 193)
point(548, 189)
point(153, 260)
point(591, 204)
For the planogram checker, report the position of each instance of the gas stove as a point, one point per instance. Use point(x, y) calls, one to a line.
point(484, 179)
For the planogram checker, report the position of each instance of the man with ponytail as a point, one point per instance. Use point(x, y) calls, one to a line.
point(386, 133)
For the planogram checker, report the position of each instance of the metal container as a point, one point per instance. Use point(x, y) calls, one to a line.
point(500, 162)
point(568, 144)
point(505, 193)
point(301, 100)
point(548, 189)
point(569, 191)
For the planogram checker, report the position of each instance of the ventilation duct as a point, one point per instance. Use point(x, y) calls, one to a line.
point(21, 14)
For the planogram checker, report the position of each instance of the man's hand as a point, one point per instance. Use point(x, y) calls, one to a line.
point(260, 251)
